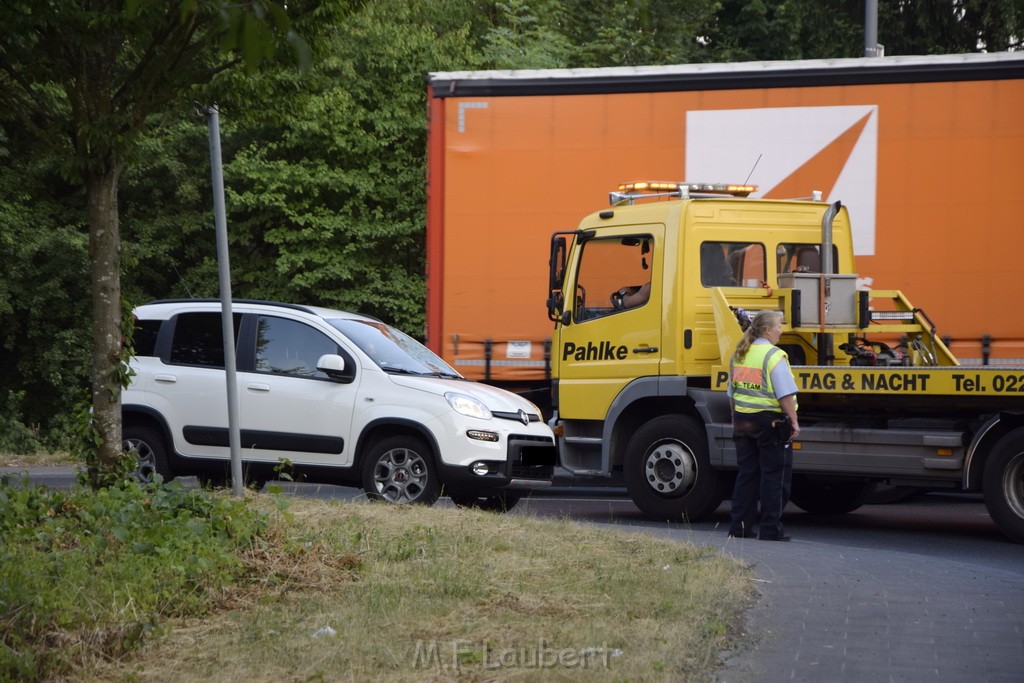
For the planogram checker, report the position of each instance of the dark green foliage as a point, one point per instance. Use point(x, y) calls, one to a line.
point(15, 437)
point(916, 27)
point(44, 288)
point(324, 175)
point(91, 573)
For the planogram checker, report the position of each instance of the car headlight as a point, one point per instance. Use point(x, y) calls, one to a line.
point(467, 405)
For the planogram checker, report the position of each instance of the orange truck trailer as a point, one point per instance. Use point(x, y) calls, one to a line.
point(926, 153)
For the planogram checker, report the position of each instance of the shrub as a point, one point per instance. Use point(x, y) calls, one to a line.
point(90, 573)
point(15, 437)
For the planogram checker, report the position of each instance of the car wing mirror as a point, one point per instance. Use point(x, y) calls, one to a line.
point(332, 365)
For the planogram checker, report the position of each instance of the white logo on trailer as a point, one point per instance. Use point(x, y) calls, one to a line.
point(724, 146)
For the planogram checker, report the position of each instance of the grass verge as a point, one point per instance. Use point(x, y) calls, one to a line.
point(38, 458)
point(371, 592)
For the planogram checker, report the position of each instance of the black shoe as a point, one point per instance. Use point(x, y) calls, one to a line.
point(781, 537)
point(742, 534)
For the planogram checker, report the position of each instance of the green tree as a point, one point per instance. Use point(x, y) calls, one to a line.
point(815, 29)
point(915, 27)
point(85, 76)
point(328, 195)
point(324, 173)
point(44, 287)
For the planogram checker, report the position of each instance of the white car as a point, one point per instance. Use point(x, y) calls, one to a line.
point(331, 397)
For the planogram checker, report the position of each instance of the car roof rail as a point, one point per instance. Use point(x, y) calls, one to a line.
point(206, 300)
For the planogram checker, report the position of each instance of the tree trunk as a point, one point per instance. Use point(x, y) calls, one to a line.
point(105, 271)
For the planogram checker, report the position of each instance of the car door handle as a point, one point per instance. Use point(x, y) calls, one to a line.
point(646, 349)
point(165, 379)
point(259, 388)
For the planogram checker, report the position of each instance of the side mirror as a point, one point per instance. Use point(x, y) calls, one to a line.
point(333, 366)
point(556, 273)
point(556, 262)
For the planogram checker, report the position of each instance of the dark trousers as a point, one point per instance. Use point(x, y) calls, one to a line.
point(765, 473)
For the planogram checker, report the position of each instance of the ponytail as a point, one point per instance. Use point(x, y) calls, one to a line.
point(761, 322)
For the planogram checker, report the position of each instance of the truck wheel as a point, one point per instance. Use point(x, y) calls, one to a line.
point(150, 453)
point(829, 497)
point(1003, 485)
point(498, 502)
point(668, 473)
point(400, 469)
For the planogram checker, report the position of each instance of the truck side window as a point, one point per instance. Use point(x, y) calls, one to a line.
point(732, 264)
point(614, 275)
point(802, 258)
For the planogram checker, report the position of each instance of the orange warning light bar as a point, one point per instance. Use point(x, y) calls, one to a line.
point(685, 188)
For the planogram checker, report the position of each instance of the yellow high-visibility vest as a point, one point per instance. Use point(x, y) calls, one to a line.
point(752, 390)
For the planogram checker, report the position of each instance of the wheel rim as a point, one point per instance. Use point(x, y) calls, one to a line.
point(400, 475)
point(670, 468)
point(145, 459)
point(1013, 485)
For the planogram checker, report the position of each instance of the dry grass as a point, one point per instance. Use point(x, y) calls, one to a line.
point(37, 459)
point(443, 594)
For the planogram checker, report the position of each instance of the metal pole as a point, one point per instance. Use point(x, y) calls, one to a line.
point(227, 318)
point(871, 29)
point(825, 289)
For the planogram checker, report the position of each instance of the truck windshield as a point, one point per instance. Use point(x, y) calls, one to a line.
point(393, 350)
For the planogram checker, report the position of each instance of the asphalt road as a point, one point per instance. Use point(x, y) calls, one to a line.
point(923, 590)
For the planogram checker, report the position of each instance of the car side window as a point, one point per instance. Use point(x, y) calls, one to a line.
point(144, 338)
point(289, 347)
point(198, 340)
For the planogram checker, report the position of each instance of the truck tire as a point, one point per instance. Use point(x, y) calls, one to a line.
point(822, 497)
point(668, 473)
point(1003, 485)
point(400, 469)
point(150, 453)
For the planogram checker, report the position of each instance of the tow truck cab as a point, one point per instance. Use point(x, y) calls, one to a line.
point(648, 298)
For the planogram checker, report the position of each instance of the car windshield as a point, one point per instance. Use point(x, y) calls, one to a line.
point(393, 350)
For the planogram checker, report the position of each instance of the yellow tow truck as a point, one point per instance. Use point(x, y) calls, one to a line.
point(649, 298)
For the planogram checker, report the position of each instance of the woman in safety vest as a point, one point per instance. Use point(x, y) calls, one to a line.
point(762, 395)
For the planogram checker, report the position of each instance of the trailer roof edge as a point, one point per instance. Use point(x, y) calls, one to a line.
point(732, 75)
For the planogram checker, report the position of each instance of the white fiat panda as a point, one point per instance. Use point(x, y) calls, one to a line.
point(333, 397)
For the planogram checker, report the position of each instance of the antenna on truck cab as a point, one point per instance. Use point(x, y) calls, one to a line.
point(628, 193)
point(753, 167)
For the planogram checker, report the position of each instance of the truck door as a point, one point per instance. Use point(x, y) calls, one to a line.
point(611, 332)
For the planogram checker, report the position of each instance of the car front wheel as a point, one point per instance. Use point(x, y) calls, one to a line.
point(400, 469)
